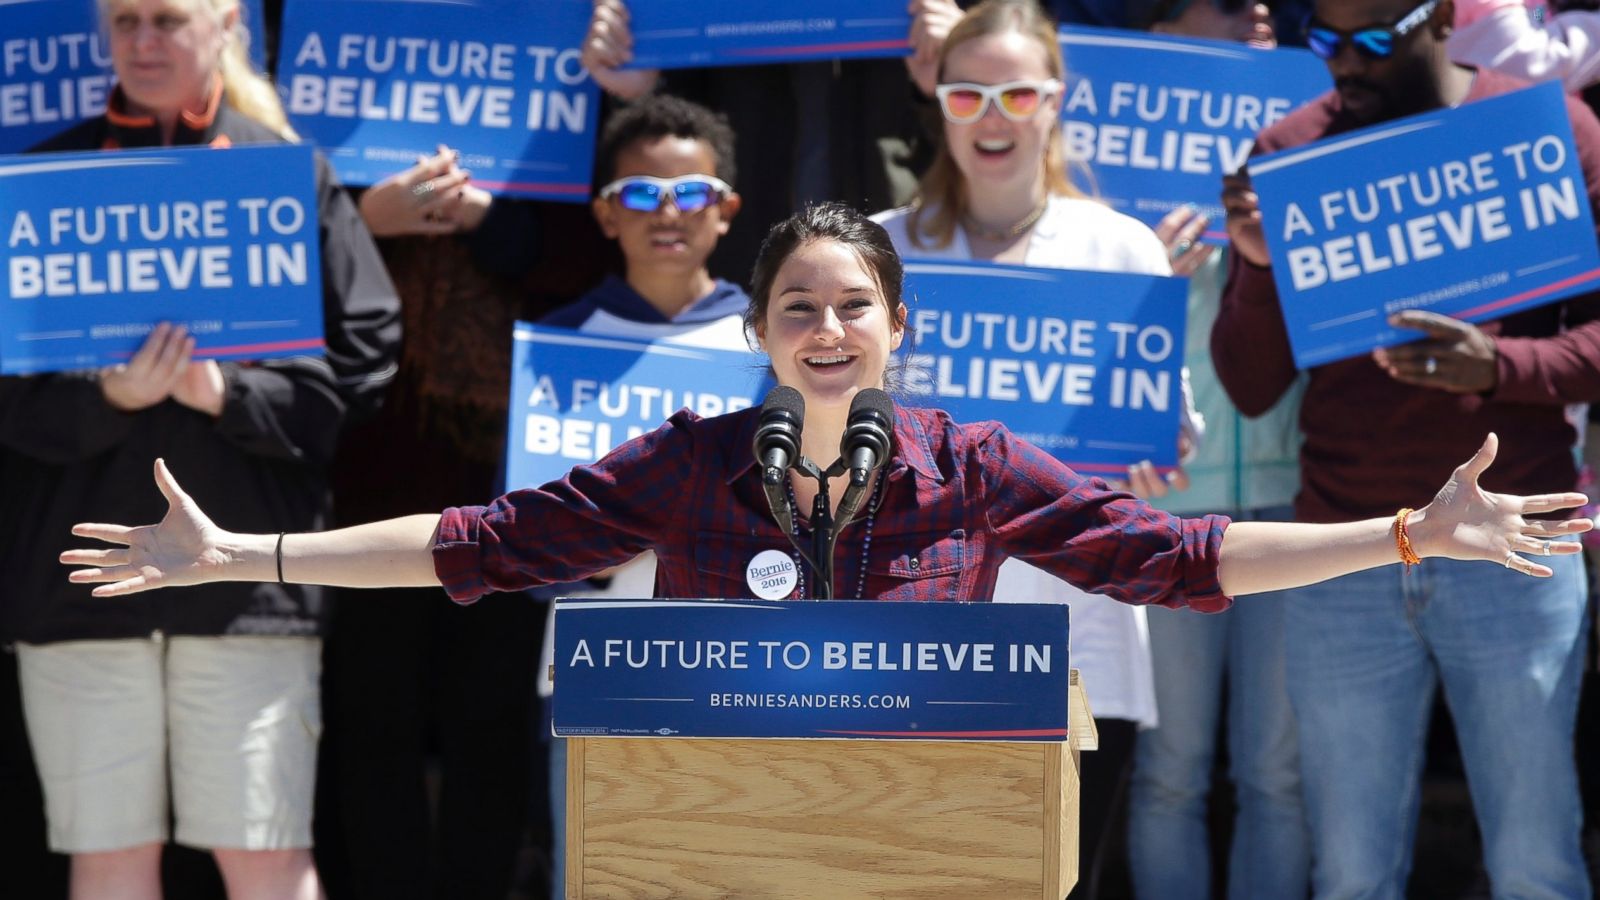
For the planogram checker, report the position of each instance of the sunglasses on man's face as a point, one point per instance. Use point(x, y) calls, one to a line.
point(1372, 42)
point(964, 102)
point(689, 193)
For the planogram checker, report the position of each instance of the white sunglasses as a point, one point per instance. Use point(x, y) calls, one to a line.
point(963, 102)
point(646, 193)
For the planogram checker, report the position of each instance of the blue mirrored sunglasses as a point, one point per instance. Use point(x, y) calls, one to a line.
point(1372, 42)
point(644, 193)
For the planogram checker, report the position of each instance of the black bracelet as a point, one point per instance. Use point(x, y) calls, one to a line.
point(279, 554)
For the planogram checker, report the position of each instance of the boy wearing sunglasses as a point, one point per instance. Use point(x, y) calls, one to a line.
point(1365, 653)
point(662, 200)
point(664, 167)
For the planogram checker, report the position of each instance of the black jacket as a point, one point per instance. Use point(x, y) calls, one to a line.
point(67, 456)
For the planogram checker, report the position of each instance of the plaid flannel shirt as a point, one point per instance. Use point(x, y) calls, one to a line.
point(958, 500)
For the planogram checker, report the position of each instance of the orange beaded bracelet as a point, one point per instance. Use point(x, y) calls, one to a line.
point(1402, 540)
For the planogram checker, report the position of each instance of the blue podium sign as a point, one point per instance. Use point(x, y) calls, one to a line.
point(797, 669)
point(1085, 365)
point(671, 34)
point(378, 83)
point(55, 66)
point(575, 397)
point(1159, 120)
point(1474, 212)
point(99, 247)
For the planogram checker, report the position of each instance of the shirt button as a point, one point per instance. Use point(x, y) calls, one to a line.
point(915, 564)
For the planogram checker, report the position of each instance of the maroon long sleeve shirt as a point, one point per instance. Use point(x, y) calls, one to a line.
point(1373, 444)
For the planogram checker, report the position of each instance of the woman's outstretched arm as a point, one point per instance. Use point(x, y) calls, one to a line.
point(1463, 522)
point(186, 547)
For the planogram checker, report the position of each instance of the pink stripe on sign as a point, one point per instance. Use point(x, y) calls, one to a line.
point(271, 347)
point(1019, 733)
point(1580, 278)
point(896, 44)
point(575, 190)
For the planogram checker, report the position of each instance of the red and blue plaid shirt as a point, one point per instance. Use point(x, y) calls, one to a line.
point(958, 500)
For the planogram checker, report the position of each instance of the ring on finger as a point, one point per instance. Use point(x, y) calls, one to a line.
point(1544, 548)
point(1182, 247)
point(1430, 366)
point(422, 190)
point(1510, 558)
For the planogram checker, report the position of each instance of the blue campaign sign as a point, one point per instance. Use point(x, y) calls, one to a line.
point(55, 67)
point(670, 34)
point(1473, 212)
point(1159, 120)
point(100, 247)
point(575, 397)
point(1085, 365)
point(377, 83)
point(797, 669)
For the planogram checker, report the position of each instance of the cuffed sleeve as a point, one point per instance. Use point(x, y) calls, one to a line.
point(455, 554)
point(1202, 547)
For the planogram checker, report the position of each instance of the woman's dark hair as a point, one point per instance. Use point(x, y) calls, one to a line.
point(824, 222)
point(659, 116)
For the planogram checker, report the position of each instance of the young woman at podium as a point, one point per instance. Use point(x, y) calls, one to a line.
point(950, 505)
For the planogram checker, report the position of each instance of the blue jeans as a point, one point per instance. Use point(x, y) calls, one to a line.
point(1168, 842)
point(1365, 653)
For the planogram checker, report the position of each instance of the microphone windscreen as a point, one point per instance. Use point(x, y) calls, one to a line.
point(875, 401)
point(786, 399)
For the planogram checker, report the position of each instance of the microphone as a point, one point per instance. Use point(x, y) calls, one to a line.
point(777, 446)
point(865, 445)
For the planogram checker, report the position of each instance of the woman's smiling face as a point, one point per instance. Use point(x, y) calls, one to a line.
point(994, 152)
point(828, 329)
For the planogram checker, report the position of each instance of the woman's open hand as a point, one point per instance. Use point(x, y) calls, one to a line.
point(1466, 522)
point(185, 548)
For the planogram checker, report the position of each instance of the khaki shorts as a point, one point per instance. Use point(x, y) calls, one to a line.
point(237, 717)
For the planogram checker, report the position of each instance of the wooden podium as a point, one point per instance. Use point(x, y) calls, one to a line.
point(676, 817)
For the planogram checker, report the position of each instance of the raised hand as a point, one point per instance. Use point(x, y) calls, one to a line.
point(1180, 230)
point(1466, 522)
point(155, 369)
point(422, 199)
point(1244, 218)
point(608, 47)
point(931, 21)
point(185, 548)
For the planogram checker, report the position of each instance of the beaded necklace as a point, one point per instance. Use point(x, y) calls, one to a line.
point(974, 227)
point(866, 539)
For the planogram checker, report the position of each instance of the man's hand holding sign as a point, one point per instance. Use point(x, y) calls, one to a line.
point(1455, 356)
